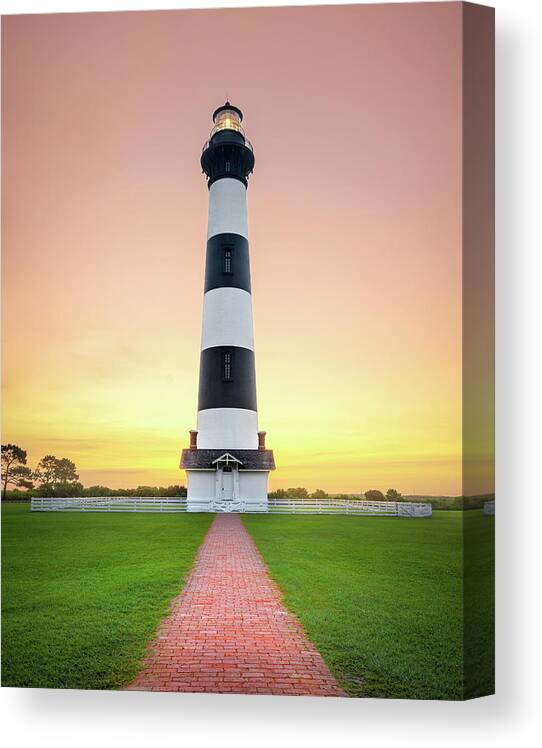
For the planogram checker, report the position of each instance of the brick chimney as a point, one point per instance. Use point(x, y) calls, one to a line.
point(193, 440)
point(261, 440)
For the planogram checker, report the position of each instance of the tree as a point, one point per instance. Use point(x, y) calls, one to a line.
point(97, 491)
point(146, 491)
point(280, 493)
point(175, 491)
point(14, 471)
point(297, 493)
point(45, 473)
point(71, 488)
point(66, 471)
point(20, 477)
point(374, 495)
point(393, 495)
point(319, 494)
point(57, 476)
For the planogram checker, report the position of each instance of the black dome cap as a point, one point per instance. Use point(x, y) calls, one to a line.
point(225, 106)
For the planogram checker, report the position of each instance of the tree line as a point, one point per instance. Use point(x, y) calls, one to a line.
point(55, 476)
point(302, 494)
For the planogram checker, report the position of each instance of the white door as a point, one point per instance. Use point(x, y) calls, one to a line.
point(227, 485)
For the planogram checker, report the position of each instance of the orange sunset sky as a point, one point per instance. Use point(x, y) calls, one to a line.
point(355, 237)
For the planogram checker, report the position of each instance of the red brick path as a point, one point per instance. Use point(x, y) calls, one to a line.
point(228, 630)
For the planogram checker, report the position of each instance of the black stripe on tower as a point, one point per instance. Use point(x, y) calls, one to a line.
point(227, 378)
point(227, 263)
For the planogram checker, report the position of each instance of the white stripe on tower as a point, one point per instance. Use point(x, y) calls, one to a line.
point(227, 318)
point(227, 208)
point(227, 428)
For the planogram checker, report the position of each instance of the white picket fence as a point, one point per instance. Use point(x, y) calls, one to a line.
point(110, 504)
point(275, 506)
point(346, 506)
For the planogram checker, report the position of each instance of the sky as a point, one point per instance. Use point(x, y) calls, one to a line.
point(354, 113)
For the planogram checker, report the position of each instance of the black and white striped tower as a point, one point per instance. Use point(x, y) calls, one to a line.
point(227, 464)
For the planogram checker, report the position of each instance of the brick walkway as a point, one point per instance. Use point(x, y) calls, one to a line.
point(228, 630)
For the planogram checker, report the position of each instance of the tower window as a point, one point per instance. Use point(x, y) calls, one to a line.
point(227, 367)
point(227, 260)
point(228, 166)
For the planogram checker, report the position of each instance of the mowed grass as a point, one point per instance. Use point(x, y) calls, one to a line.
point(381, 598)
point(83, 593)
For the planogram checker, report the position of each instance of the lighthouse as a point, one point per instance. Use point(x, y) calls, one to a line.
point(227, 463)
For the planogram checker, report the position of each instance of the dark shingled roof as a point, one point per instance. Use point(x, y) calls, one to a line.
point(251, 459)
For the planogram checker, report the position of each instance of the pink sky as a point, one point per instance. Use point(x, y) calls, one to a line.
point(354, 213)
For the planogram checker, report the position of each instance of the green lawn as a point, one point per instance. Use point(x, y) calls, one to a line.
point(83, 593)
point(381, 598)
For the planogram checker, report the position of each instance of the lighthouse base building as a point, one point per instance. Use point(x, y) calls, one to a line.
point(227, 464)
point(227, 481)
